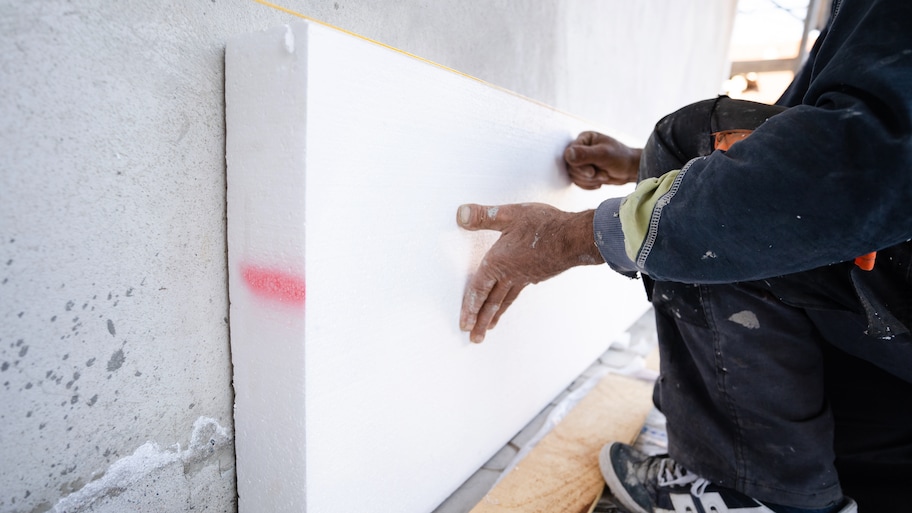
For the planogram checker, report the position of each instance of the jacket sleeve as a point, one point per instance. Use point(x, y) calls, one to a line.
point(823, 182)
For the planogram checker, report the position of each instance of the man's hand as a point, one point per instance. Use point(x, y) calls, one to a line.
point(537, 242)
point(594, 159)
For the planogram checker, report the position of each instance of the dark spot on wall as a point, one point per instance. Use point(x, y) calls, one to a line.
point(138, 374)
point(74, 399)
point(90, 362)
point(42, 425)
point(54, 318)
point(93, 400)
point(130, 292)
point(116, 361)
point(28, 386)
point(192, 405)
point(4, 366)
point(40, 508)
point(111, 327)
point(23, 351)
point(69, 305)
point(336, 6)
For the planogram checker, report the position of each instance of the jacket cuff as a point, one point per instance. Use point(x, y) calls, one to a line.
point(609, 237)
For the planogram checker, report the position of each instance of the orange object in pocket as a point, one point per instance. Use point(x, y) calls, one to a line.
point(866, 262)
point(725, 139)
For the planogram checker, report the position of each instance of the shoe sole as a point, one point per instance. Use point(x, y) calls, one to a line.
point(614, 483)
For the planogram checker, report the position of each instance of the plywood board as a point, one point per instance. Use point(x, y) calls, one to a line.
point(561, 473)
point(347, 161)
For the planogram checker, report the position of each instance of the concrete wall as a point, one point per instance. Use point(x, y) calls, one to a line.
point(115, 378)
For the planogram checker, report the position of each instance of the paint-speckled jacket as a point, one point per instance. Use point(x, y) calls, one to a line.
point(825, 181)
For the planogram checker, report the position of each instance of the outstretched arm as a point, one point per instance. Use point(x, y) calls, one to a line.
point(537, 242)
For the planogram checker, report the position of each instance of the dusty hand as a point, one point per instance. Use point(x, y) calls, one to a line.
point(537, 242)
point(594, 159)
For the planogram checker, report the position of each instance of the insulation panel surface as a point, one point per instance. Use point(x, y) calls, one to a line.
point(347, 161)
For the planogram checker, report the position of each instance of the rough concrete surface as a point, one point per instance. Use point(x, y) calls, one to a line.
point(113, 300)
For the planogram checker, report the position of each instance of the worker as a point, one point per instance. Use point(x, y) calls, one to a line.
point(786, 366)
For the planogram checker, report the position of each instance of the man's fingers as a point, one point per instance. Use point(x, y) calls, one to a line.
point(593, 181)
point(584, 171)
point(589, 185)
point(511, 296)
point(474, 298)
point(491, 307)
point(583, 150)
point(588, 138)
point(577, 155)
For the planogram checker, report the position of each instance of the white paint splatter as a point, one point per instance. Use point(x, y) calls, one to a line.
point(590, 260)
point(708, 254)
point(535, 240)
point(289, 40)
point(851, 113)
point(147, 458)
point(747, 319)
point(492, 213)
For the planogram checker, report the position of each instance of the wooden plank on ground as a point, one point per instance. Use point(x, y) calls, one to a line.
point(561, 473)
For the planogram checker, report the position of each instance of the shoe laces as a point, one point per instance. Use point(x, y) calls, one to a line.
point(671, 473)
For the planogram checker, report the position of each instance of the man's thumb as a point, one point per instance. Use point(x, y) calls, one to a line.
point(479, 217)
point(576, 154)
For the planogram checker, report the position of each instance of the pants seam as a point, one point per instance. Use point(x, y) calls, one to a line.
point(740, 477)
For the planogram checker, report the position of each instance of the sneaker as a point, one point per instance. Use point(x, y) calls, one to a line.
point(658, 484)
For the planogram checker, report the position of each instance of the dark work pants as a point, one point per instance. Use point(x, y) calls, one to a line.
point(773, 388)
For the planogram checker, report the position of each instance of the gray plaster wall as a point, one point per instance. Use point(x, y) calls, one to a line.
point(115, 372)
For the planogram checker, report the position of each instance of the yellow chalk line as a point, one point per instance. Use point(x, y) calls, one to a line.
point(359, 36)
point(403, 52)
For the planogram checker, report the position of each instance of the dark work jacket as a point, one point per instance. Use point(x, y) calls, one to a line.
point(885, 294)
point(812, 188)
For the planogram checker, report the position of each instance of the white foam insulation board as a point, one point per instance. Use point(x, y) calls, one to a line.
point(347, 160)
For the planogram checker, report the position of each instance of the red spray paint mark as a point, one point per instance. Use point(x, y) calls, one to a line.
point(273, 284)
